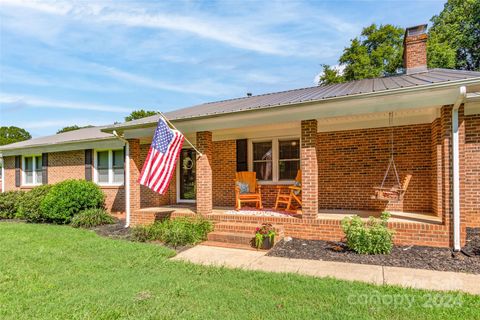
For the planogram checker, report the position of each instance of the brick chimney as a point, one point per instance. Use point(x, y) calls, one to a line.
point(415, 49)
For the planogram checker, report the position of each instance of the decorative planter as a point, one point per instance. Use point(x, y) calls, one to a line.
point(267, 244)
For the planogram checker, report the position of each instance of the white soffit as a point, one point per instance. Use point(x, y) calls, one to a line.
point(472, 105)
point(378, 120)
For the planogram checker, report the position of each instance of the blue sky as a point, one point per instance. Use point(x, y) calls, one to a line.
point(92, 62)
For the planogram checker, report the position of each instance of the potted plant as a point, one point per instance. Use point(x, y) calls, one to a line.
point(264, 236)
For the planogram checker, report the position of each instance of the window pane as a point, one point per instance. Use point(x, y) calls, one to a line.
point(118, 175)
point(29, 177)
point(288, 169)
point(262, 150)
point(28, 164)
point(289, 149)
point(102, 160)
point(102, 175)
point(118, 158)
point(263, 170)
point(38, 175)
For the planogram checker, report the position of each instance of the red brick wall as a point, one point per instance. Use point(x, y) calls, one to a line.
point(63, 166)
point(224, 166)
point(204, 172)
point(352, 162)
point(470, 163)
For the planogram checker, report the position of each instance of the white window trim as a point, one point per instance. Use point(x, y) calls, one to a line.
point(179, 200)
point(110, 182)
point(34, 168)
point(275, 158)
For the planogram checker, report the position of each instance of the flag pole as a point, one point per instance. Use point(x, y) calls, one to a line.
point(186, 139)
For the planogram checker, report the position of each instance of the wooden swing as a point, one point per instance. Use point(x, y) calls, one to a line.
point(397, 191)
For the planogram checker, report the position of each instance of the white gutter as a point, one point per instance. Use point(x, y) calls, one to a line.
point(456, 169)
point(127, 179)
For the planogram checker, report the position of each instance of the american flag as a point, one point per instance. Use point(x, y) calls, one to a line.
point(162, 158)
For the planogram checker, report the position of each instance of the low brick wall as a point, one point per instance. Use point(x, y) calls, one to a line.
point(406, 233)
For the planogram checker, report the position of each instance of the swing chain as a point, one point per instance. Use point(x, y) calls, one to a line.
point(392, 160)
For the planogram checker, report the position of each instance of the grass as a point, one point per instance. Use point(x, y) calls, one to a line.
point(57, 272)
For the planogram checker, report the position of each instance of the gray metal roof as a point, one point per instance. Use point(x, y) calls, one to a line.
point(430, 77)
point(85, 134)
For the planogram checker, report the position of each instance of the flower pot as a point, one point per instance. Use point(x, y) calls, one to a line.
point(267, 244)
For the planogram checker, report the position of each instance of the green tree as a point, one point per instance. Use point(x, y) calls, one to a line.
point(13, 134)
point(72, 128)
point(376, 52)
point(330, 75)
point(138, 114)
point(454, 37)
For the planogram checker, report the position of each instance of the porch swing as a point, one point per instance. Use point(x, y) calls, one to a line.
point(397, 191)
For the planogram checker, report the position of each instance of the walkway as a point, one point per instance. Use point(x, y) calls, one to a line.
point(257, 260)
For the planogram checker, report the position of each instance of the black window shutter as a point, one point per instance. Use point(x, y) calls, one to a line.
point(88, 164)
point(242, 159)
point(44, 168)
point(18, 160)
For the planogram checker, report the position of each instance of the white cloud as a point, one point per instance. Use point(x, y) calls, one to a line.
point(11, 101)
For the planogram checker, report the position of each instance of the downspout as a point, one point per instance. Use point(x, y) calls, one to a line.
point(3, 174)
point(127, 178)
point(456, 169)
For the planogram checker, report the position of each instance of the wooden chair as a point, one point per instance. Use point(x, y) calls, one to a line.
point(286, 194)
point(254, 194)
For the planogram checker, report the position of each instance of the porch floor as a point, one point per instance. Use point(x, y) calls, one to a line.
point(324, 214)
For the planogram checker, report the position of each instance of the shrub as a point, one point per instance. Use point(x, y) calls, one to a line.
point(29, 206)
point(91, 218)
point(176, 232)
point(148, 233)
point(370, 237)
point(69, 197)
point(183, 231)
point(9, 202)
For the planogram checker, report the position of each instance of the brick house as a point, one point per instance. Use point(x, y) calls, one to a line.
point(339, 135)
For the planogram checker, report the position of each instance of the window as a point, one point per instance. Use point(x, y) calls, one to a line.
point(109, 167)
point(288, 159)
point(275, 160)
point(32, 170)
point(263, 160)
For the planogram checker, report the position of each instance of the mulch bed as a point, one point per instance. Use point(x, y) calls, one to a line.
point(441, 259)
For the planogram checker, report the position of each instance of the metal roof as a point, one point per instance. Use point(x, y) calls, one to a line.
point(429, 78)
point(85, 134)
point(318, 93)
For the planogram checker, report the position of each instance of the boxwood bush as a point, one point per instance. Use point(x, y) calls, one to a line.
point(68, 198)
point(29, 204)
point(368, 237)
point(9, 202)
point(91, 218)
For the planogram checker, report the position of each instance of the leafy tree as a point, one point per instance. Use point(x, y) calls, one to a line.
point(72, 128)
point(330, 75)
point(13, 134)
point(454, 37)
point(138, 114)
point(377, 52)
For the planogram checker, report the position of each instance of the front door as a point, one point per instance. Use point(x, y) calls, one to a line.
point(187, 166)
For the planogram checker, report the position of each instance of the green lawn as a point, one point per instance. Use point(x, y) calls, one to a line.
point(57, 272)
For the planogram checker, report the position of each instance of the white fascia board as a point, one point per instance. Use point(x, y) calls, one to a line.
point(110, 143)
point(472, 107)
point(320, 110)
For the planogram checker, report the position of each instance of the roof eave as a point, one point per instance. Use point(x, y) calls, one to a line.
point(404, 90)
